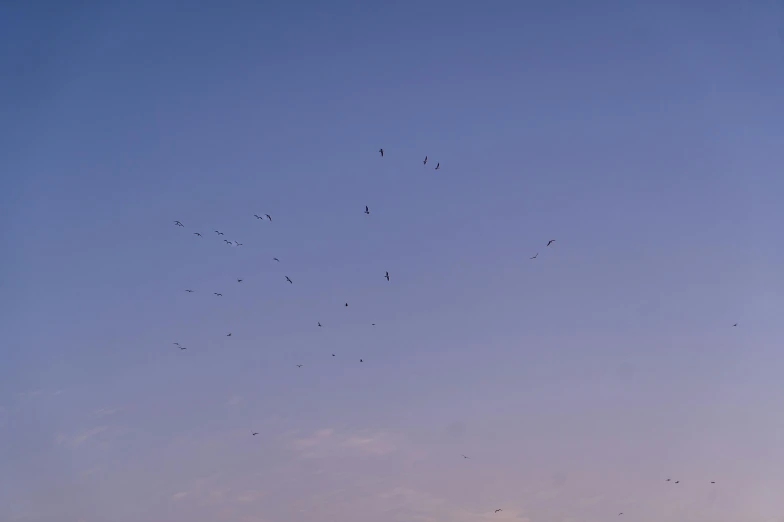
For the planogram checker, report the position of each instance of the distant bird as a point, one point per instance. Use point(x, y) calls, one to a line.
point(289, 280)
point(333, 355)
point(257, 216)
point(497, 510)
point(736, 324)
point(276, 259)
point(268, 217)
point(361, 360)
point(183, 348)
point(219, 295)
point(464, 456)
point(254, 433)
point(346, 304)
point(319, 324)
point(239, 280)
point(382, 152)
point(177, 344)
point(619, 514)
point(537, 255)
point(667, 480)
point(367, 210)
point(712, 482)
point(438, 166)
point(178, 224)
point(238, 244)
point(197, 234)
point(372, 324)
point(425, 162)
point(299, 366)
point(550, 242)
point(219, 233)
point(189, 291)
point(228, 334)
point(387, 276)
point(677, 481)
point(227, 241)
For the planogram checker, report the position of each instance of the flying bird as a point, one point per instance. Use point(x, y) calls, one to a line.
point(619, 514)
point(319, 324)
point(276, 259)
point(537, 255)
point(197, 234)
point(228, 334)
point(238, 244)
point(361, 360)
point(189, 291)
point(333, 355)
point(736, 324)
point(239, 280)
point(178, 224)
point(257, 216)
point(268, 217)
point(550, 242)
point(712, 482)
point(464, 456)
point(677, 481)
point(667, 480)
point(177, 344)
point(219, 295)
point(387, 276)
point(289, 280)
point(367, 210)
point(372, 324)
point(219, 233)
point(299, 366)
point(425, 162)
point(346, 304)
point(254, 433)
point(382, 152)
point(182, 348)
point(227, 241)
point(497, 510)
point(438, 166)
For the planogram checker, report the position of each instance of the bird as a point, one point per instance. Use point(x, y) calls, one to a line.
point(219, 233)
point(228, 334)
point(677, 481)
point(268, 217)
point(619, 514)
point(219, 295)
point(239, 280)
point(299, 366)
point(372, 324)
point(238, 244)
point(382, 152)
point(189, 290)
point(712, 482)
point(197, 234)
point(438, 166)
point(276, 259)
point(464, 456)
point(289, 280)
point(227, 241)
point(667, 480)
point(319, 324)
point(361, 360)
point(537, 254)
point(254, 433)
point(177, 344)
point(736, 324)
point(178, 224)
point(346, 304)
point(497, 510)
point(425, 162)
point(551, 241)
point(257, 216)
point(182, 348)
point(333, 355)
point(367, 210)
point(387, 276)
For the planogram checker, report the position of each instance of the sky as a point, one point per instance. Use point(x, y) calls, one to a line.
point(645, 137)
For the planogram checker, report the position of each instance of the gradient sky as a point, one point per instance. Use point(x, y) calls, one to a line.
point(644, 136)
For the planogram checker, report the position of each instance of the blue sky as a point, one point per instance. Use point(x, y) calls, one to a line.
point(645, 137)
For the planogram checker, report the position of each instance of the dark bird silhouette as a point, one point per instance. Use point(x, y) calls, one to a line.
point(387, 276)
point(219, 233)
point(736, 324)
point(367, 210)
point(464, 456)
point(361, 360)
point(497, 510)
point(257, 216)
point(667, 480)
point(550, 242)
point(189, 291)
point(276, 259)
point(289, 280)
point(268, 217)
point(619, 514)
point(299, 366)
point(219, 295)
point(238, 244)
point(254, 433)
point(197, 234)
point(183, 348)
point(537, 255)
point(425, 162)
point(177, 344)
point(319, 324)
point(372, 324)
point(438, 166)
point(333, 355)
point(382, 152)
point(178, 224)
point(712, 482)
point(677, 481)
point(346, 304)
point(228, 334)
point(227, 241)
point(239, 280)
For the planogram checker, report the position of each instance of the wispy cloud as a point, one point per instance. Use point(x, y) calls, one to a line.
point(179, 496)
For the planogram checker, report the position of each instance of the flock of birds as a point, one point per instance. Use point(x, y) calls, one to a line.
point(386, 276)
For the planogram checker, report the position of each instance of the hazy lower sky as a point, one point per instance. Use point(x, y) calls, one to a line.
point(645, 137)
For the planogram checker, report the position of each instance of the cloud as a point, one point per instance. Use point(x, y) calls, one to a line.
point(377, 444)
point(327, 441)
